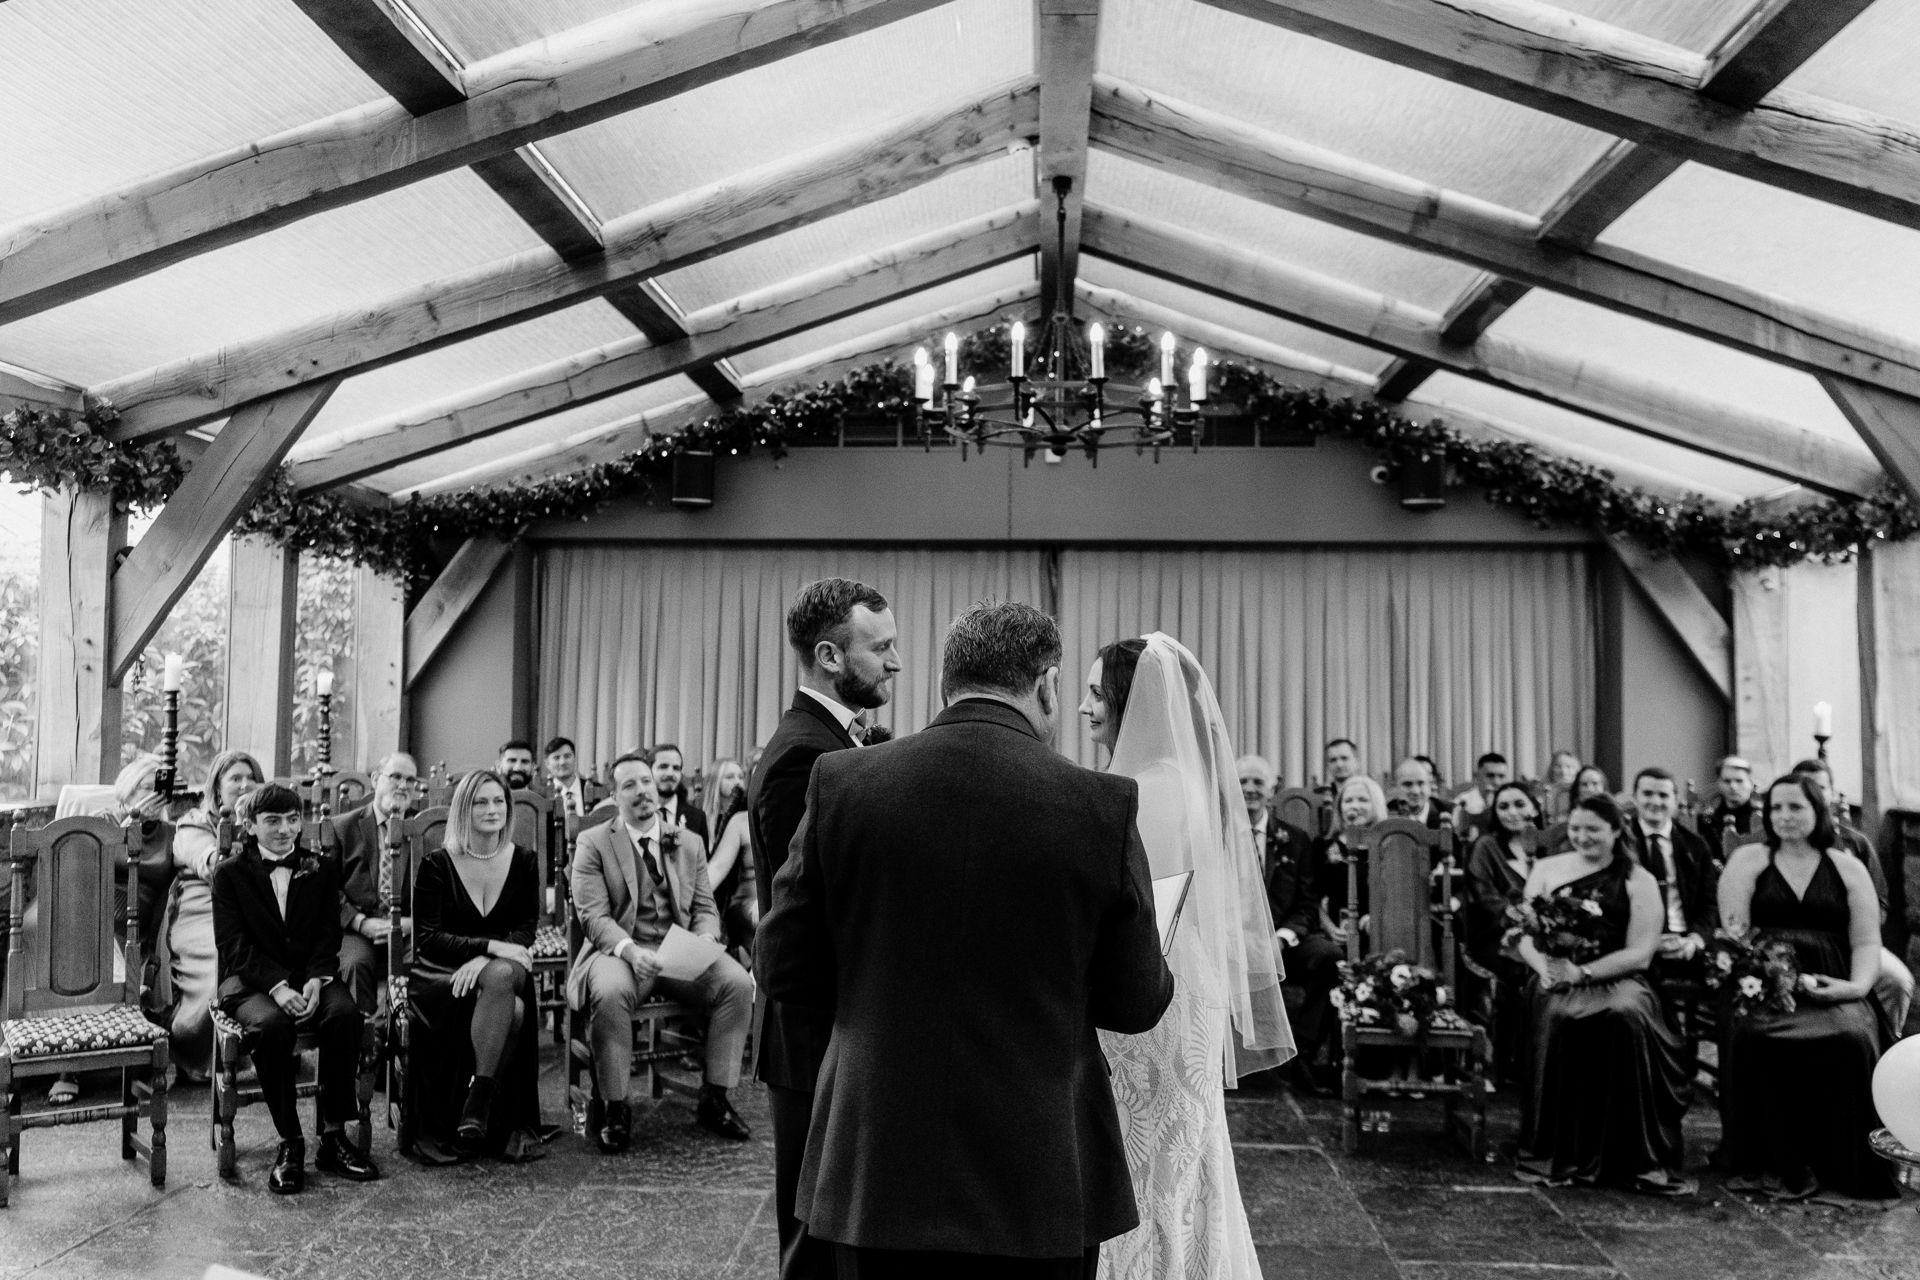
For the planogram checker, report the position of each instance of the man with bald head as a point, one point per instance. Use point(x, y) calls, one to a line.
point(365, 891)
point(1413, 794)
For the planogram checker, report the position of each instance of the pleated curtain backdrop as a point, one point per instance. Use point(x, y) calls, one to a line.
point(1447, 653)
point(687, 644)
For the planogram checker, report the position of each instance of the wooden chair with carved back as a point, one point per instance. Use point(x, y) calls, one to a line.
point(417, 834)
point(536, 824)
point(348, 790)
point(1404, 915)
point(1305, 808)
point(72, 998)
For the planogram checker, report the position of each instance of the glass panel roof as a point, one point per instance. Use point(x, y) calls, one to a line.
point(97, 93)
point(346, 257)
point(1359, 106)
point(1698, 25)
point(476, 29)
point(1870, 63)
point(832, 94)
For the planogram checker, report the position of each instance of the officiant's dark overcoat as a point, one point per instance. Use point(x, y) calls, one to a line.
point(971, 906)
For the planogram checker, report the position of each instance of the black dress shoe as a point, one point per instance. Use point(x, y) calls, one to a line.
point(289, 1168)
point(614, 1133)
point(342, 1159)
point(717, 1114)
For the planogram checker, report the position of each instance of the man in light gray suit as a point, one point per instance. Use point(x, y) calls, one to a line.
point(628, 890)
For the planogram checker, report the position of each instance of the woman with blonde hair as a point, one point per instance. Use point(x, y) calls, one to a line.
point(474, 1064)
point(730, 863)
point(1358, 804)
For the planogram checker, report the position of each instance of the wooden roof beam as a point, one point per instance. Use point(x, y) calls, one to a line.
point(1644, 90)
point(614, 440)
point(664, 237)
point(1359, 315)
point(645, 54)
point(754, 320)
point(1210, 148)
point(1067, 36)
point(1753, 61)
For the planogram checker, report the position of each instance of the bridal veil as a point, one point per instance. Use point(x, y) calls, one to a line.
point(1173, 738)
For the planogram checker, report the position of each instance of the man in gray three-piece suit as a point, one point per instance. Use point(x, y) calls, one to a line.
point(968, 906)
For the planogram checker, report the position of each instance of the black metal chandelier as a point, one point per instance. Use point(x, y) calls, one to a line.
point(1061, 399)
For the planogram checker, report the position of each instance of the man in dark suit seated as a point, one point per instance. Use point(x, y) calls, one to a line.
point(1413, 794)
point(844, 636)
point(1342, 759)
point(566, 785)
point(1686, 867)
point(515, 763)
point(967, 907)
point(276, 925)
point(1736, 809)
point(1473, 808)
point(1311, 959)
point(669, 768)
point(633, 879)
point(361, 836)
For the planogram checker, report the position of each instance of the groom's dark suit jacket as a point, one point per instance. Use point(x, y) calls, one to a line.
point(970, 906)
point(791, 1040)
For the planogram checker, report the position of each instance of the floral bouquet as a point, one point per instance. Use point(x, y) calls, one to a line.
point(1763, 974)
point(1389, 992)
point(1562, 924)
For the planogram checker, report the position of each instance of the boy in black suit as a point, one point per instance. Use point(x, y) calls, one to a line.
point(276, 926)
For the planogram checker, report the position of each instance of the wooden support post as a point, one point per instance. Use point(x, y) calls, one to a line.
point(236, 468)
point(1065, 39)
point(379, 666)
point(1684, 606)
point(449, 598)
point(79, 723)
point(262, 609)
point(1889, 598)
point(1889, 423)
point(1761, 721)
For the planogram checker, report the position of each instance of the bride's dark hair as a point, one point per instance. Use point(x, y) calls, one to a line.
point(1117, 662)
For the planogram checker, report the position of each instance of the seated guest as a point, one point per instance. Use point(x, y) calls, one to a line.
point(514, 764)
point(1472, 817)
point(1413, 794)
point(676, 811)
point(575, 793)
point(1734, 809)
point(1894, 987)
point(1361, 803)
point(632, 879)
point(473, 1071)
point(1309, 959)
point(1686, 868)
point(730, 868)
point(366, 892)
point(190, 963)
point(1606, 1076)
point(276, 922)
point(1343, 761)
point(1497, 869)
point(1590, 781)
point(1562, 772)
point(1798, 1087)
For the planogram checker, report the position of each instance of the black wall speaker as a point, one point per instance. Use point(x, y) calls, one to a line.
point(1423, 482)
point(693, 480)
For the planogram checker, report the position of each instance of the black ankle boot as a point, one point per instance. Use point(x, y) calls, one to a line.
point(479, 1109)
point(289, 1173)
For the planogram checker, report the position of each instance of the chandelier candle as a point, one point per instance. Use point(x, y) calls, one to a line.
point(1019, 339)
point(953, 359)
point(1197, 376)
point(1166, 358)
point(922, 377)
point(1097, 355)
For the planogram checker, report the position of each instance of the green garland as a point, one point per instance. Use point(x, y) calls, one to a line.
point(45, 449)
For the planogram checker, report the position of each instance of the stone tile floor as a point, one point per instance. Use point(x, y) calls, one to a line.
point(682, 1203)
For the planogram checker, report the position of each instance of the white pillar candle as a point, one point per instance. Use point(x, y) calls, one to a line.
point(1823, 719)
point(1019, 337)
point(1097, 337)
point(922, 376)
point(953, 358)
point(1197, 376)
point(171, 672)
point(323, 683)
point(1166, 358)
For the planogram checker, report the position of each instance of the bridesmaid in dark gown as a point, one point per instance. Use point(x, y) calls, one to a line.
point(473, 1075)
point(1494, 984)
point(1606, 1075)
point(1799, 1086)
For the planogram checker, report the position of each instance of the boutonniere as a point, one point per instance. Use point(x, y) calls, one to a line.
point(305, 865)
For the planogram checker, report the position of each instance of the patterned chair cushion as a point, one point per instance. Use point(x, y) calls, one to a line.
point(549, 943)
point(117, 1026)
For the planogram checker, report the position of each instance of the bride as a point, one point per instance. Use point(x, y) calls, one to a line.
point(1153, 708)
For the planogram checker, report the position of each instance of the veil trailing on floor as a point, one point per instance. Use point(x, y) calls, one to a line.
point(1173, 739)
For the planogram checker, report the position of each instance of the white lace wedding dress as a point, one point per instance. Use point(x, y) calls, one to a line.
point(1226, 1018)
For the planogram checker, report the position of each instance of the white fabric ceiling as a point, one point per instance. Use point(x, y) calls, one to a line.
point(97, 93)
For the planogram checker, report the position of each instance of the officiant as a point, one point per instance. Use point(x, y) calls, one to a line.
point(632, 880)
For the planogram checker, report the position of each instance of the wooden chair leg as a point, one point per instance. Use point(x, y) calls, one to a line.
point(157, 1116)
point(6, 1120)
point(13, 1130)
point(1477, 1082)
point(130, 1122)
point(226, 1102)
point(1349, 1098)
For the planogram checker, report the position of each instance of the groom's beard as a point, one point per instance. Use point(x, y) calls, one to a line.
point(849, 690)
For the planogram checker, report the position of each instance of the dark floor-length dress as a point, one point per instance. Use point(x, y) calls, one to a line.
point(451, 930)
point(1799, 1086)
point(1606, 1076)
point(1500, 1004)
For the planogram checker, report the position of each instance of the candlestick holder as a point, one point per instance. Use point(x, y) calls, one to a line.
point(1821, 739)
point(165, 781)
point(324, 750)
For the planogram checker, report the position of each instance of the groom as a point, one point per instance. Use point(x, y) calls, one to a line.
point(969, 906)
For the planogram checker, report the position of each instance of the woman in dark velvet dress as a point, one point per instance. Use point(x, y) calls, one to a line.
point(473, 1076)
point(1497, 870)
point(1799, 1086)
point(1359, 804)
point(1606, 1077)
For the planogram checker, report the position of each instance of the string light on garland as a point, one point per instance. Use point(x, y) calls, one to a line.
point(49, 449)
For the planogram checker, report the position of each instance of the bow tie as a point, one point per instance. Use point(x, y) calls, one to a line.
point(274, 864)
